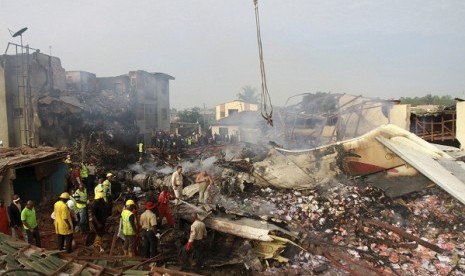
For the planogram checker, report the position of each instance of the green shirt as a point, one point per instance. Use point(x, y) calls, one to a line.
point(29, 216)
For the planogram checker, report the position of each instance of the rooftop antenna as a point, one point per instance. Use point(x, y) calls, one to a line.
point(19, 33)
point(26, 88)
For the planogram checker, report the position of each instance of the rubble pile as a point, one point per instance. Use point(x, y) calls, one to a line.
point(104, 117)
point(415, 235)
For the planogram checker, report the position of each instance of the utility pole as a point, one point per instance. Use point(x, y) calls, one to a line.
point(204, 113)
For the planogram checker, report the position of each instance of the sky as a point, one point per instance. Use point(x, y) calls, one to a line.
point(381, 49)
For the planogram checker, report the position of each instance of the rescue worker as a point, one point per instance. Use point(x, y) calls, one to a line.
point(148, 222)
point(81, 208)
point(63, 223)
point(76, 177)
point(204, 180)
point(99, 188)
point(129, 228)
point(176, 183)
point(69, 174)
point(99, 218)
point(4, 222)
point(196, 241)
point(107, 191)
point(14, 213)
point(91, 176)
point(164, 207)
point(84, 173)
point(141, 149)
point(29, 220)
point(68, 162)
point(71, 203)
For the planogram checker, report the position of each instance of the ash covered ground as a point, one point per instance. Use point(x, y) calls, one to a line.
point(339, 228)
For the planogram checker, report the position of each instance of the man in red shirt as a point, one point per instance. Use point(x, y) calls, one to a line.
point(164, 207)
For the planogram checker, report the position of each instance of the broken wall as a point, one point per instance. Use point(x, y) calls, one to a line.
point(27, 77)
point(324, 118)
point(81, 81)
point(460, 123)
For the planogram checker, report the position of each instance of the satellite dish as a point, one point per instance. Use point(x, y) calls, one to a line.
point(20, 32)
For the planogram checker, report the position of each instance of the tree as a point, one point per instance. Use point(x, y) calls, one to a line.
point(249, 94)
point(190, 115)
point(429, 99)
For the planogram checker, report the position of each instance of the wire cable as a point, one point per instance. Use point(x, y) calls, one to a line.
point(266, 108)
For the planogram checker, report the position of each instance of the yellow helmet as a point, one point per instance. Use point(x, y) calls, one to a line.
point(109, 174)
point(64, 195)
point(130, 202)
point(98, 195)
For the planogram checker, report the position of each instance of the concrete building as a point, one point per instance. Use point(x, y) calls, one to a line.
point(22, 79)
point(149, 93)
point(153, 102)
point(241, 127)
point(81, 81)
point(226, 109)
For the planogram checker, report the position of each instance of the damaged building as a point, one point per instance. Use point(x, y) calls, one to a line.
point(35, 173)
point(45, 105)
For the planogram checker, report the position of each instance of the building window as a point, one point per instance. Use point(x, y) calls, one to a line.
point(164, 114)
point(222, 114)
point(118, 88)
point(232, 111)
point(150, 94)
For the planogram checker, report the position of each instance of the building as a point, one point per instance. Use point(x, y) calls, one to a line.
point(149, 97)
point(226, 109)
point(153, 102)
point(244, 126)
point(23, 78)
point(33, 173)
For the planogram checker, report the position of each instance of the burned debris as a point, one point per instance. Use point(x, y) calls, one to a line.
point(333, 188)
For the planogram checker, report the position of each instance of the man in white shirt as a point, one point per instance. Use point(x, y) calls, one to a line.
point(176, 183)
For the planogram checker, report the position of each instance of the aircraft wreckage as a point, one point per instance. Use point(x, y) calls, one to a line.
point(387, 157)
point(295, 196)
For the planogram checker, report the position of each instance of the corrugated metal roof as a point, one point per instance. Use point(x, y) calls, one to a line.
point(27, 156)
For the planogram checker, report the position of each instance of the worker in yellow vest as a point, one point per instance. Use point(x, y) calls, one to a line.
point(84, 173)
point(107, 192)
point(141, 149)
point(99, 188)
point(81, 208)
point(129, 228)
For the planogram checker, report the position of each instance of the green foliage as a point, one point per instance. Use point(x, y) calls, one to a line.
point(429, 100)
point(190, 115)
point(249, 94)
point(320, 102)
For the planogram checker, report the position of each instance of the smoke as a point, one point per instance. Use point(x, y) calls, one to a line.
point(148, 167)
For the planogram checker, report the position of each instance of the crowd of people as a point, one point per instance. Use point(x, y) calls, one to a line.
point(168, 141)
point(74, 211)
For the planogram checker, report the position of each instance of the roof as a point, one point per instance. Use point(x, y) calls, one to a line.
point(242, 101)
point(27, 156)
point(244, 118)
point(18, 257)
